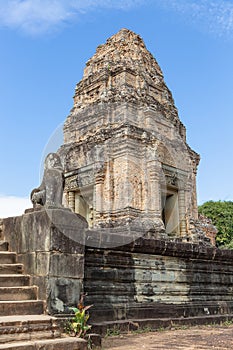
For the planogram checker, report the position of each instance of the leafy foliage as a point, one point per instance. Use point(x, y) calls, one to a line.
point(78, 325)
point(221, 214)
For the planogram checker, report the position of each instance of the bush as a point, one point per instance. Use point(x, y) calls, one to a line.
point(221, 214)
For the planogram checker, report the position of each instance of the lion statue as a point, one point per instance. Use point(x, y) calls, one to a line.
point(49, 194)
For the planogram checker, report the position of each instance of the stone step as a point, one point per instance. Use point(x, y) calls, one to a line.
point(26, 307)
point(67, 343)
point(4, 246)
point(7, 258)
point(153, 324)
point(11, 268)
point(12, 280)
point(29, 327)
point(19, 293)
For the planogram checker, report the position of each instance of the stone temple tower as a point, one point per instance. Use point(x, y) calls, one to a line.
point(126, 159)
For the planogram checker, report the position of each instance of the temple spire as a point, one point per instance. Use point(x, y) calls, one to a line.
point(122, 70)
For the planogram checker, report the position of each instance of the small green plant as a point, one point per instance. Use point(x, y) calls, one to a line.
point(181, 327)
point(227, 323)
point(78, 326)
point(111, 332)
point(145, 329)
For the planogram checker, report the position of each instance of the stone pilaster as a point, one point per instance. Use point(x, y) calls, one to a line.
point(194, 196)
point(182, 212)
point(98, 188)
point(154, 204)
point(71, 200)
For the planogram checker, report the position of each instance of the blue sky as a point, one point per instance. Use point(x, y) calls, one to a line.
point(44, 45)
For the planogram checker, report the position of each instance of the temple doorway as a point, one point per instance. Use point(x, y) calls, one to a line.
point(170, 211)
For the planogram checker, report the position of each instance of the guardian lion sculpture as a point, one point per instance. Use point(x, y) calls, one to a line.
point(49, 194)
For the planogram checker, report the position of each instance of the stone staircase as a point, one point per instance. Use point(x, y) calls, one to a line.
point(23, 322)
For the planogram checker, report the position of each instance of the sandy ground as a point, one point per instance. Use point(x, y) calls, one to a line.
point(198, 338)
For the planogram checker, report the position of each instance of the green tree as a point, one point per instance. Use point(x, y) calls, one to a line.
point(221, 214)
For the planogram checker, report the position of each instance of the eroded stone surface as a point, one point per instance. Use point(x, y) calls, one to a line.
point(46, 244)
point(130, 173)
point(153, 279)
point(125, 155)
point(50, 192)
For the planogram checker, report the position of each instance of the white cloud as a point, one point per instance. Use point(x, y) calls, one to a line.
point(216, 16)
point(39, 16)
point(13, 206)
